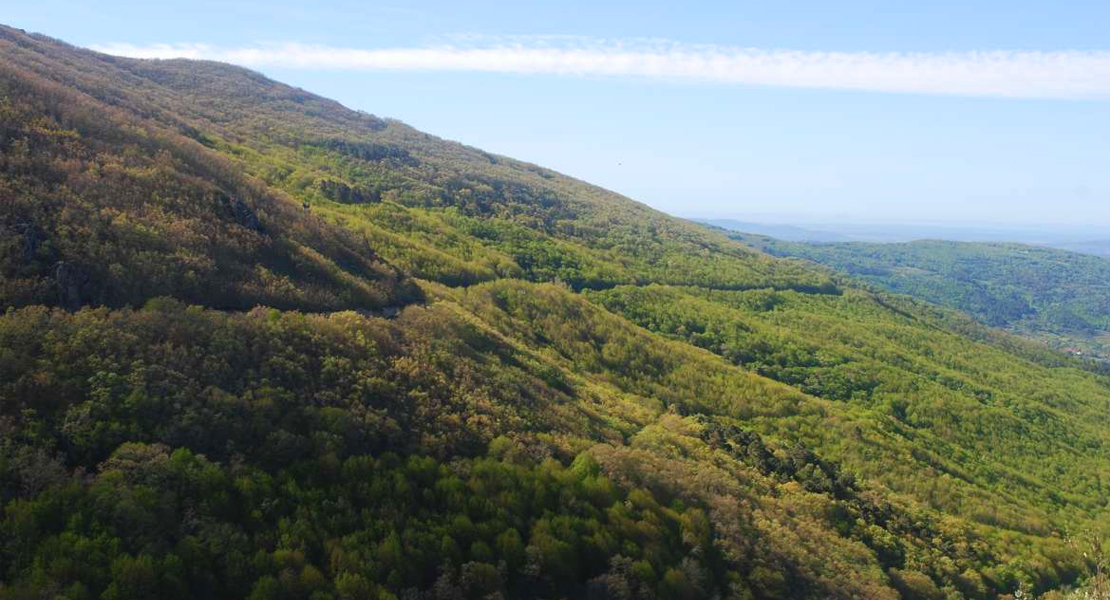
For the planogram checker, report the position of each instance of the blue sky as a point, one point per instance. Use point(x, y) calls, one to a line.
point(698, 109)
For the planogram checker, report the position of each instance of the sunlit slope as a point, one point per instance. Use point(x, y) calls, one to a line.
point(576, 395)
point(1059, 297)
point(283, 412)
point(462, 215)
point(966, 412)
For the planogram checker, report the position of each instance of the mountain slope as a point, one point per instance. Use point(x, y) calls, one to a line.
point(1058, 296)
point(576, 396)
point(317, 150)
point(105, 205)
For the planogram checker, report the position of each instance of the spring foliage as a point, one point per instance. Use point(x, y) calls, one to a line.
point(257, 345)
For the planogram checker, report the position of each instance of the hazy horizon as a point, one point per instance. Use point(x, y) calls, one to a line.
point(845, 219)
point(1100, 231)
point(1090, 239)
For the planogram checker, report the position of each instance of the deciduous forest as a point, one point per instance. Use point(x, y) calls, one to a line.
point(254, 344)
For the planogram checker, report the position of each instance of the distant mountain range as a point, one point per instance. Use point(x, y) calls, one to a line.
point(1098, 248)
point(790, 233)
point(1088, 240)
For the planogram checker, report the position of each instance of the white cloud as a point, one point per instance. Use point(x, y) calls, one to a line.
point(1017, 74)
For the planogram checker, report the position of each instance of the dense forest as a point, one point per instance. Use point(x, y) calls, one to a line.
point(257, 345)
point(1059, 297)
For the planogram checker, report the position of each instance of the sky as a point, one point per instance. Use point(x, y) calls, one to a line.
point(944, 112)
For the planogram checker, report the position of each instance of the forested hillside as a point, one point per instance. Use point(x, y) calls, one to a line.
point(257, 345)
point(1053, 295)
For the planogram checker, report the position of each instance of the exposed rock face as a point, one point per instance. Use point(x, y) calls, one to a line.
point(241, 213)
point(32, 237)
point(72, 280)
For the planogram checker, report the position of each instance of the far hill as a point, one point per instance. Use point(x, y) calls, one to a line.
point(1098, 247)
point(1054, 295)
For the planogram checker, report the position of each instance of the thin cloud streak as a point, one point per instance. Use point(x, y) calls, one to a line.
point(1076, 74)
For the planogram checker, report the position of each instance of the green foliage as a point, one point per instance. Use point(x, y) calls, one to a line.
point(537, 388)
point(937, 391)
point(375, 520)
point(1056, 296)
point(101, 206)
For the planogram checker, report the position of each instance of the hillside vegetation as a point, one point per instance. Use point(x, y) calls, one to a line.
point(1053, 295)
point(257, 345)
